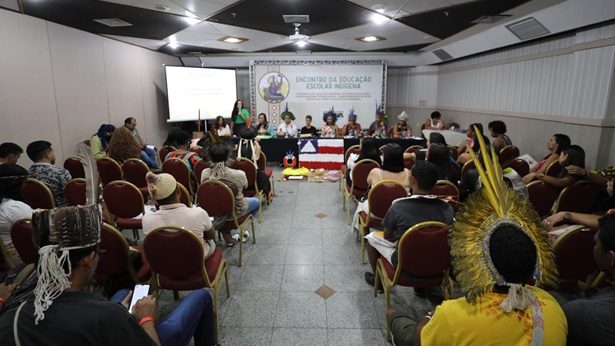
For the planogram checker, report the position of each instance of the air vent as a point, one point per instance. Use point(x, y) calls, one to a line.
point(442, 54)
point(296, 18)
point(490, 19)
point(113, 22)
point(527, 29)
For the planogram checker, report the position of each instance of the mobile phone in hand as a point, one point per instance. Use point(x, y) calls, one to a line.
point(139, 292)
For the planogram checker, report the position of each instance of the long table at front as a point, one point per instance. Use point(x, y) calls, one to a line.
point(276, 148)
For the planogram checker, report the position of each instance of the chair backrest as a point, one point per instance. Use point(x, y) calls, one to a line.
point(184, 195)
point(261, 162)
point(409, 163)
point(75, 192)
point(467, 166)
point(178, 169)
point(446, 189)
point(542, 196)
point(520, 166)
point(453, 151)
point(508, 153)
point(554, 169)
point(355, 149)
point(75, 167)
point(574, 255)
point(175, 253)
point(414, 149)
point(578, 197)
point(123, 199)
point(200, 167)
point(423, 250)
point(164, 151)
point(249, 169)
point(215, 198)
point(360, 172)
point(23, 240)
point(116, 258)
point(382, 195)
point(37, 195)
point(108, 170)
point(135, 171)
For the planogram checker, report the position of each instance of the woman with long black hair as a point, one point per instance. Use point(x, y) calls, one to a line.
point(239, 117)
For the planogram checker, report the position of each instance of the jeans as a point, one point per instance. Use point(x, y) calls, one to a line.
point(194, 316)
point(253, 204)
point(148, 156)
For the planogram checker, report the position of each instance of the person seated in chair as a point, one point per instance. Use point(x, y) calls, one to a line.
point(497, 130)
point(555, 145)
point(44, 169)
point(308, 129)
point(12, 207)
point(148, 155)
point(262, 126)
point(10, 153)
point(378, 128)
point(473, 132)
point(573, 155)
point(183, 153)
point(434, 122)
point(287, 129)
point(100, 141)
point(329, 130)
point(352, 128)
point(62, 312)
point(406, 212)
point(402, 129)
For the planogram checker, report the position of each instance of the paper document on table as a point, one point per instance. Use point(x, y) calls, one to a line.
point(530, 160)
point(378, 237)
point(559, 231)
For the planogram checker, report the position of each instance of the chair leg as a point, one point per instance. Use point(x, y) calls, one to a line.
point(348, 211)
point(387, 294)
point(376, 280)
point(175, 295)
point(215, 299)
point(135, 234)
point(362, 235)
point(253, 234)
point(260, 212)
point(240, 246)
point(228, 291)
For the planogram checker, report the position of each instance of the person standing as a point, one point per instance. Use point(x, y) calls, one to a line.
point(148, 155)
point(239, 117)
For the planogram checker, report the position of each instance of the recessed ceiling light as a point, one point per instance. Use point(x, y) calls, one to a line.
point(379, 19)
point(380, 8)
point(301, 43)
point(173, 45)
point(426, 37)
point(231, 39)
point(191, 20)
point(370, 38)
point(162, 8)
point(172, 38)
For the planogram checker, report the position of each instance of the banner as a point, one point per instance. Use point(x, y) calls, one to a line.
point(314, 88)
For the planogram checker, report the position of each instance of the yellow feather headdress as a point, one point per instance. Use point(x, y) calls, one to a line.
point(484, 211)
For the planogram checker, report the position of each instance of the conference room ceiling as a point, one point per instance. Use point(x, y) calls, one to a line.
point(182, 27)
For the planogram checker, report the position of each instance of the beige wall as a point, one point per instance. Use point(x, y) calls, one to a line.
point(59, 84)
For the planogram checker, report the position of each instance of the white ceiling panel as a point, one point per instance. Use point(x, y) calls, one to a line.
point(392, 8)
point(151, 4)
point(10, 4)
point(142, 42)
point(395, 34)
point(204, 8)
point(207, 34)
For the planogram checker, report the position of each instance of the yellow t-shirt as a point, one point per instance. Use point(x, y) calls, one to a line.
point(457, 322)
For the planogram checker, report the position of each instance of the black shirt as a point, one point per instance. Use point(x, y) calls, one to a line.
point(75, 318)
point(312, 131)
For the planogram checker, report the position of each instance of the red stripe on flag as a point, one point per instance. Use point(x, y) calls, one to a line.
point(330, 166)
point(330, 150)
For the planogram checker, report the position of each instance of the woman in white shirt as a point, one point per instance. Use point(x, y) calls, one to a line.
point(222, 129)
point(12, 209)
point(287, 129)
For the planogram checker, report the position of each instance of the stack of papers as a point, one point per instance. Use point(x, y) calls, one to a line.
point(378, 238)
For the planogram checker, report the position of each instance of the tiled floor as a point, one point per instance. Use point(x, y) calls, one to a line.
point(303, 248)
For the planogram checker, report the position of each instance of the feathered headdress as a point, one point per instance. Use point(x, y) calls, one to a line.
point(352, 115)
point(330, 113)
point(287, 112)
point(494, 205)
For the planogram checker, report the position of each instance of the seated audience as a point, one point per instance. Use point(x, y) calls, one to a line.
point(63, 312)
point(497, 130)
point(308, 129)
point(43, 169)
point(555, 145)
point(148, 155)
point(369, 150)
point(10, 153)
point(573, 155)
point(122, 147)
point(250, 149)
point(171, 141)
point(264, 127)
point(464, 155)
point(100, 141)
point(402, 129)
point(235, 179)
point(440, 156)
point(434, 122)
point(378, 128)
point(329, 129)
point(287, 129)
point(406, 212)
point(352, 128)
point(12, 207)
point(164, 190)
point(183, 153)
point(222, 129)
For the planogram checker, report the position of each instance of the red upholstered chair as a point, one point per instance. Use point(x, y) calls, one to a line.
point(453, 150)
point(217, 199)
point(355, 149)
point(164, 151)
point(448, 191)
point(125, 202)
point(37, 195)
point(456, 169)
point(75, 192)
point(423, 258)
point(176, 259)
point(23, 241)
point(379, 200)
point(409, 163)
point(261, 163)
point(578, 197)
point(252, 190)
point(6, 261)
point(542, 196)
point(466, 167)
point(184, 195)
point(508, 153)
point(134, 172)
point(180, 171)
point(414, 149)
point(119, 258)
point(199, 168)
point(75, 167)
point(359, 183)
point(520, 166)
point(574, 257)
point(108, 170)
point(554, 169)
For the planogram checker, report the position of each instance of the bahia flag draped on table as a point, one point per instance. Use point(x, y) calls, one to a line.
point(321, 153)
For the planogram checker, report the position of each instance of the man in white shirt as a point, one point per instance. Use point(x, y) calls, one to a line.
point(164, 189)
point(287, 129)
